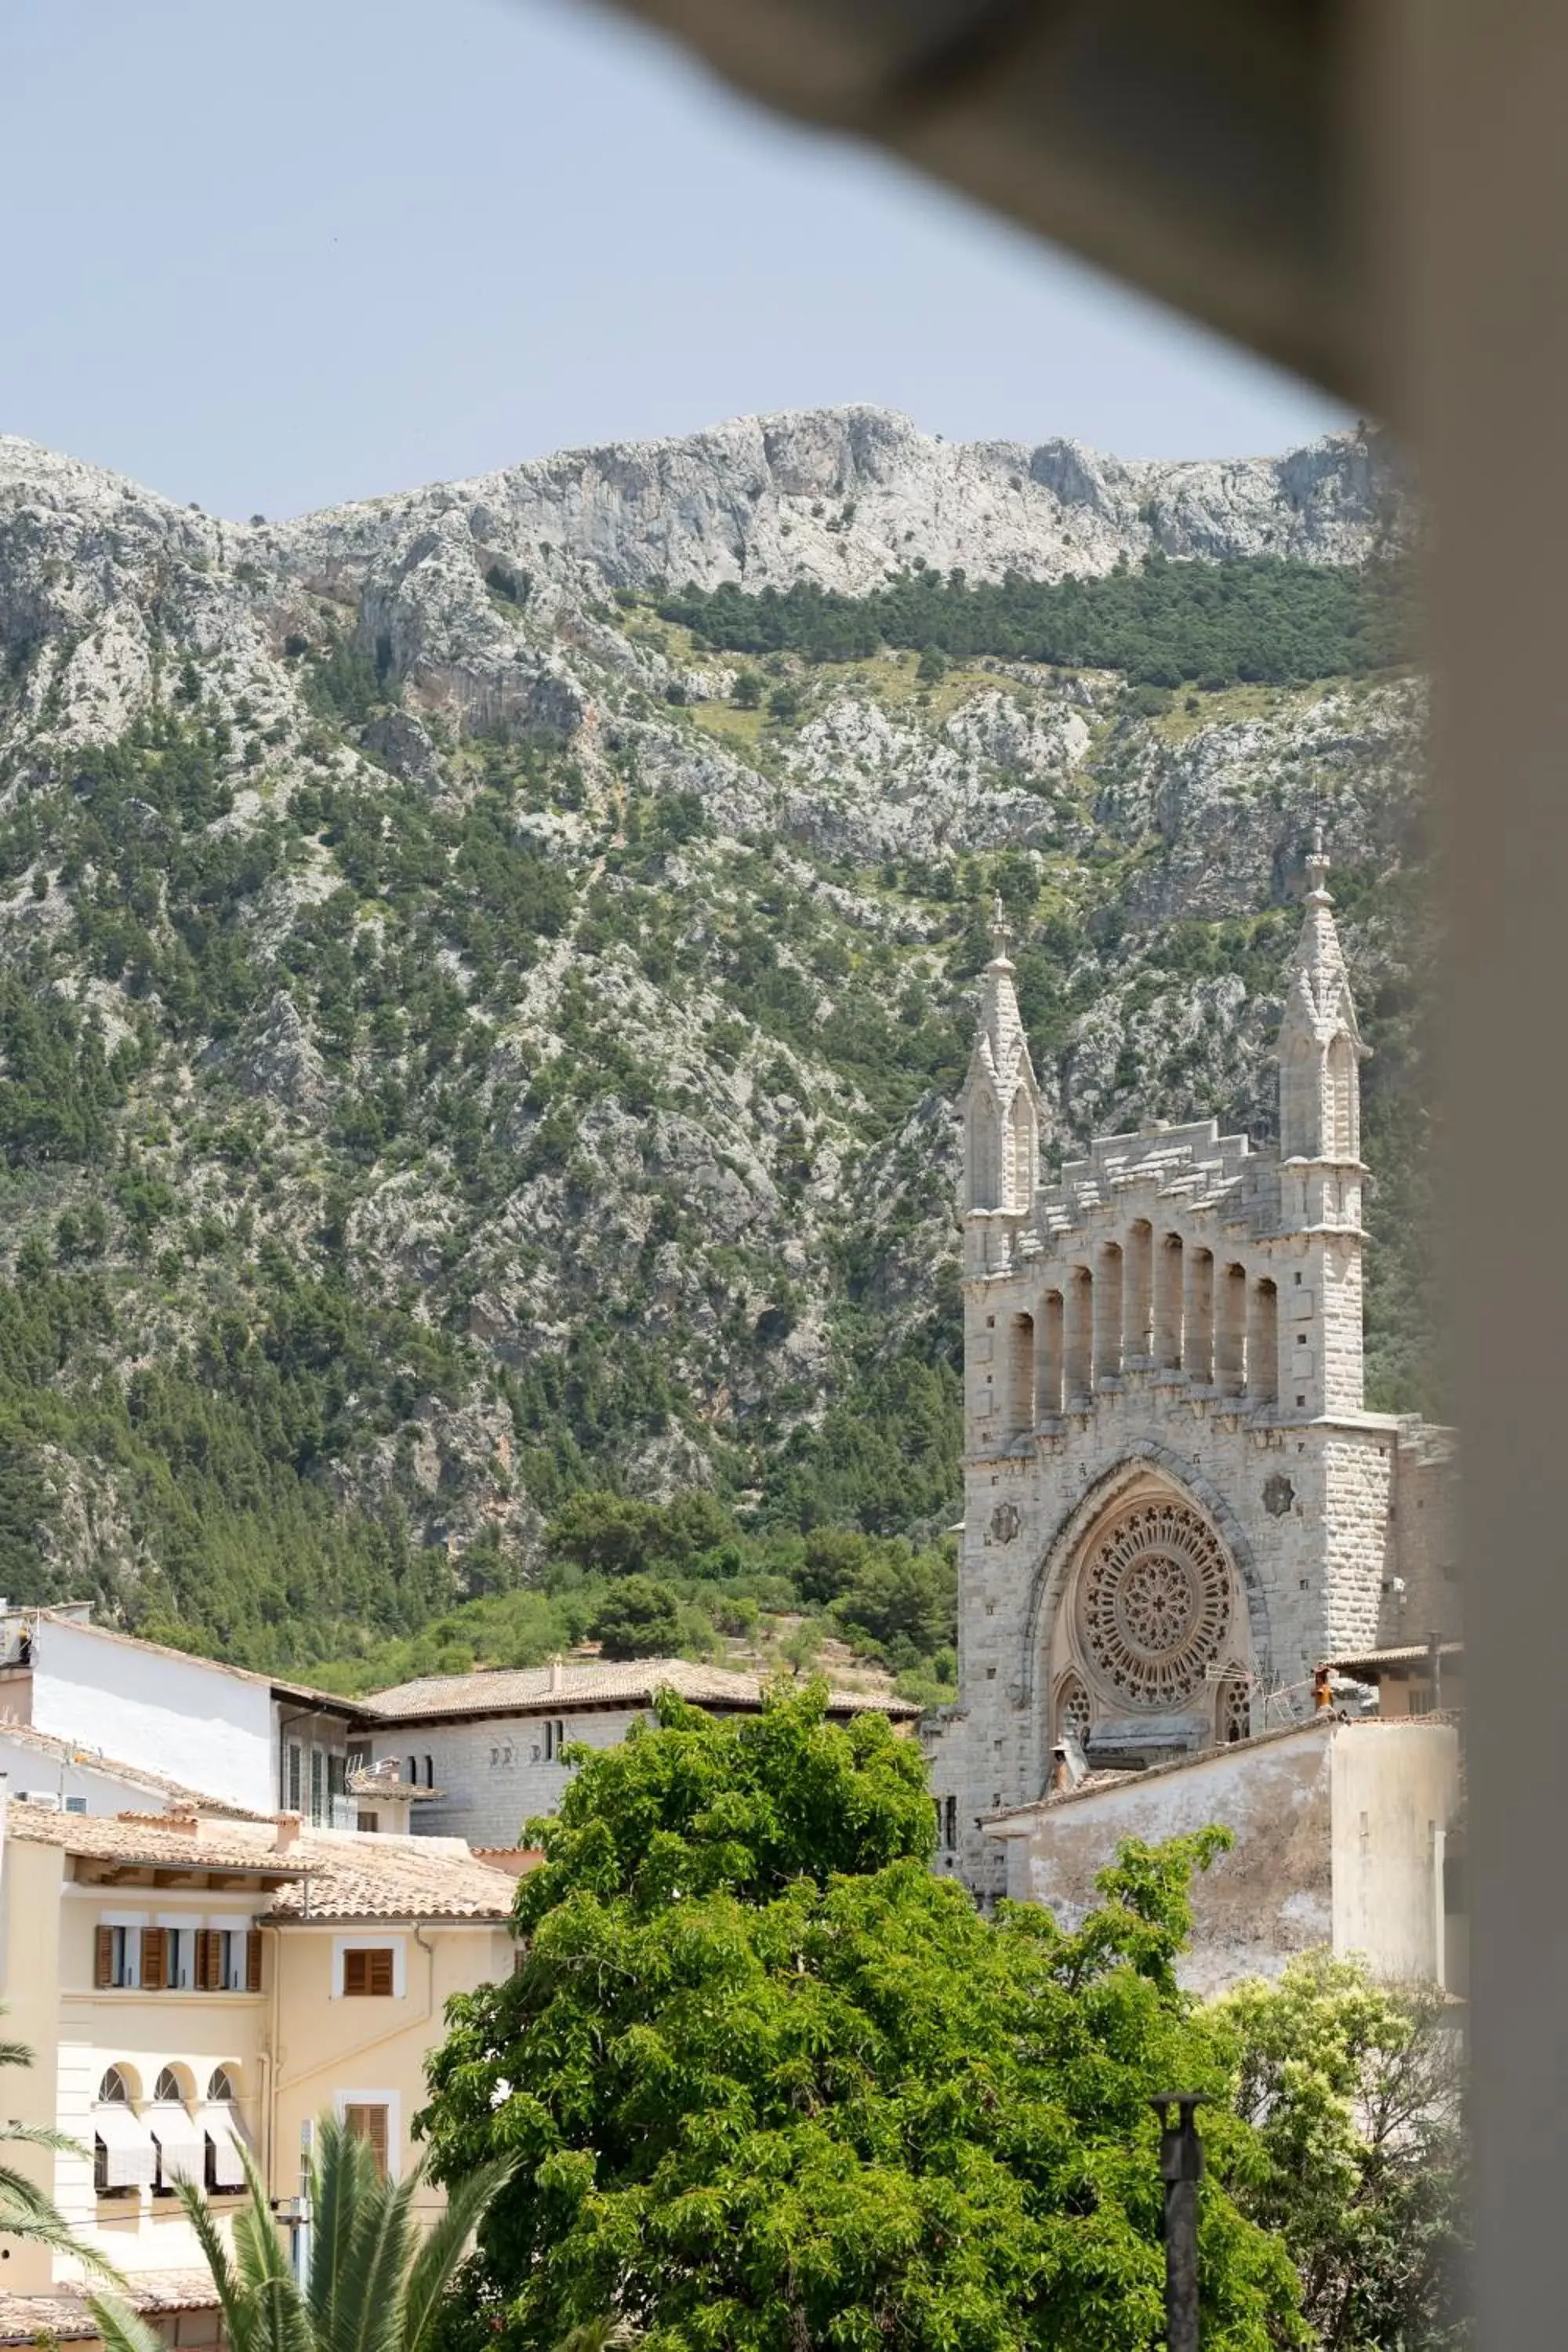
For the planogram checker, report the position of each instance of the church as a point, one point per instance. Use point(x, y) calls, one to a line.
point(1176, 1505)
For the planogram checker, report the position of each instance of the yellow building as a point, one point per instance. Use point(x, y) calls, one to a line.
point(191, 1985)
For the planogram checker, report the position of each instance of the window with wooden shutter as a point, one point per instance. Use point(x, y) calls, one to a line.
point(369, 2124)
point(154, 1959)
point(209, 1960)
point(252, 1962)
point(103, 1957)
point(369, 1972)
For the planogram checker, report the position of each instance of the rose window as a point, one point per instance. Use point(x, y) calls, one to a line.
point(1154, 1606)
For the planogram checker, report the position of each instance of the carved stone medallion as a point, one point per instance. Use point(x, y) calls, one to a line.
point(1005, 1523)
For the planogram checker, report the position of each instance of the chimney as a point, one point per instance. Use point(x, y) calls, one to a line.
point(287, 1832)
point(557, 1672)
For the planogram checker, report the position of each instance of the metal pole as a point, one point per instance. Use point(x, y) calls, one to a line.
point(1180, 2169)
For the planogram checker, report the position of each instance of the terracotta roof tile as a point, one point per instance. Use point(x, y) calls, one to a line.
point(597, 1682)
point(318, 1874)
point(32, 2318)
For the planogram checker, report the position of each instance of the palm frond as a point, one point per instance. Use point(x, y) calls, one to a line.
point(122, 2329)
point(343, 2183)
point(239, 2323)
point(431, 2270)
point(382, 2250)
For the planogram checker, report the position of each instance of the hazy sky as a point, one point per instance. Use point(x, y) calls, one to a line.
point(269, 254)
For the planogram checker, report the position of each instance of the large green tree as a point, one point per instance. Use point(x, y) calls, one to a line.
point(770, 2085)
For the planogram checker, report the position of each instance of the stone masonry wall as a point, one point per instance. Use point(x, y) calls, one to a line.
point(494, 1770)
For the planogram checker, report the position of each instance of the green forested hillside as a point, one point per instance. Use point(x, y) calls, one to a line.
point(436, 1140)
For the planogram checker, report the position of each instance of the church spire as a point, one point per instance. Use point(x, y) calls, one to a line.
point(1320, 1047)
point(1001, 1100)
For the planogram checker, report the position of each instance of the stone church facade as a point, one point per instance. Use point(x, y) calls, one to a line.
point(1176, 1503)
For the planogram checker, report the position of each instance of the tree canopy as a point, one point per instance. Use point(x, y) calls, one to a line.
point(1253, 618)
point(770, 2084)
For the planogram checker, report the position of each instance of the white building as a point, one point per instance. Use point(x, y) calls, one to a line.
point(246, 1740)
point(1176, 1503)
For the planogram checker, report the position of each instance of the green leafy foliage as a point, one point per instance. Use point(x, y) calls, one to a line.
point(1254, 617)
point(767, 2081)
point(1355, 2090)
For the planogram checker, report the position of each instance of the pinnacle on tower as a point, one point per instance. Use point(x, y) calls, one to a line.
point(1001, 1099)
point(1320, 1046)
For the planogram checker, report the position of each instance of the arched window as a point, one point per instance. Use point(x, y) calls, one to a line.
point(1263, 1344)
point(984, 1172)
point(1168, 1305)
point(1073, 1711)
point(1108, 1314)
point(220, 2088)
point(1197, 1342)
point(1021, 1141)
point(1079, 1336)
point(414, 1772)
point(166, 2090)
point(114, 2091)
point(1021, 1376)
point(1234, 1709)
point(1230, 1366)
point(1048, 1364)
point(429, 1771)
point(1137, 1303)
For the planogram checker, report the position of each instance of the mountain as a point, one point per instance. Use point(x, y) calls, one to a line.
point(484, 973)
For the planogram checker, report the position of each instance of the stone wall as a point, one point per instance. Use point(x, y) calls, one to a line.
point(496, 1771)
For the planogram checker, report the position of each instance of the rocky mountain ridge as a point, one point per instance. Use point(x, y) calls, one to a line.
point(467, 1041)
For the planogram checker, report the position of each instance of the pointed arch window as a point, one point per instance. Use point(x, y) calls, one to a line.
point(1234, 1709)
point(1074, 1712)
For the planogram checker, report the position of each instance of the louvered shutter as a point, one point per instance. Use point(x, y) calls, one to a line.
point(252, 1962)
point(209, 1960)
point(380, 1973)
point(369, 2124)
point(356, 1973)
point(154, 1959)
point(103, 1957)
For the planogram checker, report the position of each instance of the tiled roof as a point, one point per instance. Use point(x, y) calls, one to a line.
point(318, 1873)
point(1407, 1654)
point(136, 1776)
point(595, 1681)
point(157, 1840)
point(350, 1877)
point(32, 2318)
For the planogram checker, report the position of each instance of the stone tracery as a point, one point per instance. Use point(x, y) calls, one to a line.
point(1154, 1604)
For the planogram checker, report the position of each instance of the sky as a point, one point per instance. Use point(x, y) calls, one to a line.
point(267, 255)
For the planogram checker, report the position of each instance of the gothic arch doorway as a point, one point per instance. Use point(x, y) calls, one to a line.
point(1150, 1640)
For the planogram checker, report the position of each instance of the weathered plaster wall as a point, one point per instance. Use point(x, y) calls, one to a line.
point(1267, 1899)
point(1336, 1828)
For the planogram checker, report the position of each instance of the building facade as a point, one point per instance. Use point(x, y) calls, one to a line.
point(1176, 1502)
point(192, 1987)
